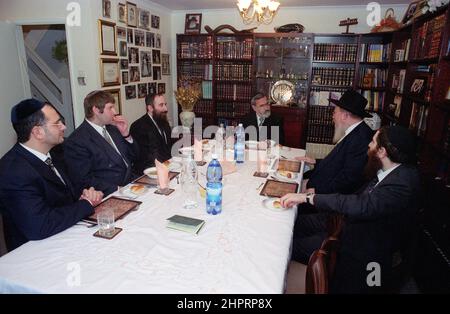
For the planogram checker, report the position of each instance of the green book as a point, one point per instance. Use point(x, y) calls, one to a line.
point(186, 224)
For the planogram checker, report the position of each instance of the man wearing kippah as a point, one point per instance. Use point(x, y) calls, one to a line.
point(101, 151)
point(36, 197)
point(379, 219)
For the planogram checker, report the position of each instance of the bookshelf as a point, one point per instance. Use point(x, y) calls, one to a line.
point(285, 57)
point(223, 64)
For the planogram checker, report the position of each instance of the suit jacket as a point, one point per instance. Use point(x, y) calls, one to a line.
point(378, 223)
point(341, 171)
point(151, 143)
point(34, 201)
point(273, 120)
point(92, 161)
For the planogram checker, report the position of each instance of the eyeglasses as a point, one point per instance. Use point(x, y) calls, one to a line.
point(60, 123)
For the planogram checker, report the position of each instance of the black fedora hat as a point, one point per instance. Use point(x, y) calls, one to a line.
point(353, 102)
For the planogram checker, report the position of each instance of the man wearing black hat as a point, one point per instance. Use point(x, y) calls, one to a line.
point(36, 197)
point(379, 219)
point(341, 171)
point(152, 133)
point(101, 151)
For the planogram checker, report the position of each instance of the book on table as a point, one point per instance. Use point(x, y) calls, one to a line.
point(186, 224)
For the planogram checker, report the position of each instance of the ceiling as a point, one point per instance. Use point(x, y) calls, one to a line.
point(223, 4)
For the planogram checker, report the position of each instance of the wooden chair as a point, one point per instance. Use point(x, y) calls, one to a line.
point(321, 267)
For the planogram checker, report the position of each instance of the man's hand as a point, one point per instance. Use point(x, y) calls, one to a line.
point(310, 190)
point(306, 159)
point(122, 124)
point(92, 196)
point(304, 184)
point(292, 199)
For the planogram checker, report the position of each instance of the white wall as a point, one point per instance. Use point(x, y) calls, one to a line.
point(83, 42)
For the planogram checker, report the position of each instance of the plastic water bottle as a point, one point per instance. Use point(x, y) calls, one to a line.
point(220, 142)
point(214, 187)
point(239, 145)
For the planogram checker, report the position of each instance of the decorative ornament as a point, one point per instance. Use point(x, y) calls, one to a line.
point(388, 24)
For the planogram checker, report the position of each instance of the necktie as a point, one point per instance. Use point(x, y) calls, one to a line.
point(261, 121)
point(49, 162)
point(107, 137)
point(372, 184)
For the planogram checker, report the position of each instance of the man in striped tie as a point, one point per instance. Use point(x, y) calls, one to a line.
point(37, 198)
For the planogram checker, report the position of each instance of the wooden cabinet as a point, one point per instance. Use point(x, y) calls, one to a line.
point(294, 123)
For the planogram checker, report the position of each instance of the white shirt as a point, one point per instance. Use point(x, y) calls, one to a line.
point(349, 129)
point(42, 157)
point(383, 174)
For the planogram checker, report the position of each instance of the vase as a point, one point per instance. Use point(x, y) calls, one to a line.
point(187, 118)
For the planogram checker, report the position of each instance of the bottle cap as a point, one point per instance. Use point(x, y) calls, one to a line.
point(214, 156)
point(240, 124)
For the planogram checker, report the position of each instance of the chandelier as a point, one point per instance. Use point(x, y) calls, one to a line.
point(263, 10)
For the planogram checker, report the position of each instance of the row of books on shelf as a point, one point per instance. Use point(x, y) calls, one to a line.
point(398, 81)
point(372, 77)
point(232, 109)
point(333, 76)
point(320, 115)
point(418, 118)
point(427, 38)
point(195, 70)
point(320, 97)
point(207, 89)
point(335, 52)
point(375, 100)
point(242, 72)
point(320, 133)
point(235, 92)
point(229, 48)
point(402, 53)
point(375, 52)
point(203, 107)
point(196, 49)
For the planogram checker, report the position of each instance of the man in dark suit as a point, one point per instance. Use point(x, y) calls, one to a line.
point(379, 219)
point(341, 171)
point(36, 197)
point(152, 133)
point(263, 122)
point(101, 151)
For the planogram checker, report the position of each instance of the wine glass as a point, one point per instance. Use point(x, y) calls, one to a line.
point(189, 184)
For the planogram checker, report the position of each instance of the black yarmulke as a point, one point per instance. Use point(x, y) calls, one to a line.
point(402, 139)
point(24, 109)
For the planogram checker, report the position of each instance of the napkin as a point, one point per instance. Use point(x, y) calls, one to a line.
point(163, 174)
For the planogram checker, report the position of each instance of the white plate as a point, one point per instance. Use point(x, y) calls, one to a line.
point(294, 177)
point(153, 172)
point(128, 193)
point(175, 166)
point(268, 204)
point(186, 150)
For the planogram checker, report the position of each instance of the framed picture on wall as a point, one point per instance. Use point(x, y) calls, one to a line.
point(155, 21)
point(146, 64)
point(144, 19)
point(106, 7)
point(124, 64)
point(142, 90)
point(158, 41)
point(125, 79)
point(156, 73)
point(117, 103)
point(161, 88)
point(152, 88)
point(156, 56)
point(193, 23)
point(121, 15)
point(134, 74)
point(410, 11)
point(130, 91)
point(107, 33)
point(123, 49)
point(121, 32)
point(132, 14)
point(150, 39)
point(165, 65)
point(110, 74)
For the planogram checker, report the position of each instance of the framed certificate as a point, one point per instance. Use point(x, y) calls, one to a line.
point(107, 38)
point(110, 73)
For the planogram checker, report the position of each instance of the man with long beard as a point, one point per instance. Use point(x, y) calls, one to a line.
point(152, 133)
point(341, 171)
point(379, 219)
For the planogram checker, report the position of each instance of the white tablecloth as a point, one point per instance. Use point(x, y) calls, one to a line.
point(245, 249)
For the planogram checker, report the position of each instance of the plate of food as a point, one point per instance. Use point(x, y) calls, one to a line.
point(151, 173)
point(273, 203)
point(133, 190)
point(173, 165)
point(286, 175)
